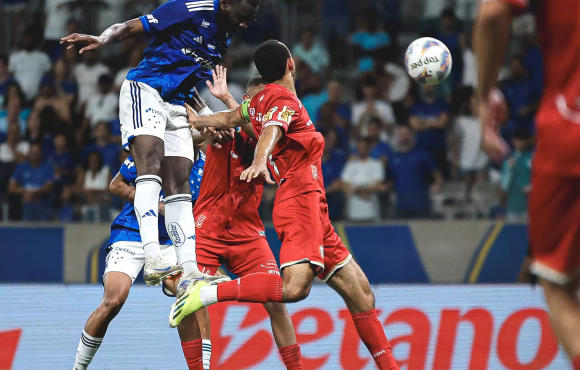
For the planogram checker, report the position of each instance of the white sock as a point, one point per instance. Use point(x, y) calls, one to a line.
point(147, 189)
point(205, 111)
point(208, 295)
point(205, 353)
point(86, 351)
point(180, 226)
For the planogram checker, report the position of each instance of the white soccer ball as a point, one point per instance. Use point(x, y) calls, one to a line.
point(428, 61)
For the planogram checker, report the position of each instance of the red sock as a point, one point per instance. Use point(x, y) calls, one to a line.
point(292, 357)
point(576, 362)
point(255, 288)
point(371, 332)
point(192, 353)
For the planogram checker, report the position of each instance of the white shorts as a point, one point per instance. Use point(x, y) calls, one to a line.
point(143, 112)
point(129, 258)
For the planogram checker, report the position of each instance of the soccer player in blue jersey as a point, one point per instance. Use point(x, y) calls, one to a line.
point(188, 37)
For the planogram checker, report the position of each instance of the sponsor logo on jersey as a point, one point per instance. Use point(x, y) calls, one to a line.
point(200, 221)
point(262, 233)
point(152, 19)
point(204, 24)
point(176, 234)
point(314, 171)
point(252, 111)
point(309, 123)
point(286, 115)
point(194, 6)
point(270, 113)
point(198, 39)
point(204, 63)
point(154, 111)
point(234, 155)
point(375, 355)
point(211, 47)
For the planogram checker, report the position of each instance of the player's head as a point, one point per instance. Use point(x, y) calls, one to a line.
point(254, 86)
point(274, 61)
point(234, 15)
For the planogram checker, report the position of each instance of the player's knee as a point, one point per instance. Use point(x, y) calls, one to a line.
point(112, 305)
point(296, 292)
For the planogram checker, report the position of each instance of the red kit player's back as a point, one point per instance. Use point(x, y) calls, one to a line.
point(295, 162)
point(558, 118)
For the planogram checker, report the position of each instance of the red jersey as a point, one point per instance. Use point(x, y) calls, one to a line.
point(227, 208)
point(295, 162)
point(558, 118)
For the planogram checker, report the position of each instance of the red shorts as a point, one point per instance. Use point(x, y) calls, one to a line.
point(240, 258)
point(555, 227)
point(303, 227)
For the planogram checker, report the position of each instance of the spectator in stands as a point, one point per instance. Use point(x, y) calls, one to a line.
point(316, 96)
point(379, 149)
point(62, 162)
point(370, 107)
point(335, 97)
point(64, 83)
point(533, 58)
point(14, 150)
point(134, 59)
point(37, 132)
point(429, 118)
point(87, 75)
point(28, 65)
point(369, 41)
point(32, 181)
point(363, 178)
point(333, 161)
point(95, 178)
point(329, 120)
point(467, 154)
point(103, 144)
point(56, 15)
point(516, 177)
point(455, 42)
point(410, 169)
point(49, 97)
point(311, 51)
point(101, 106)
point(14, 112)
point(523, 97)
point(5, 78)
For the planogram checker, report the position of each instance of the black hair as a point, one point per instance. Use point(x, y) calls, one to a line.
point(99, 157)
point(270, 60)
point(370, 80)
point(104, 123)
point(4, 58)
point(522, 134)
point(105, 79)
point(448, 13)
point(367, 140)
point(20, 94)
point(375, 121)
point(257, 80)
point(254, 3)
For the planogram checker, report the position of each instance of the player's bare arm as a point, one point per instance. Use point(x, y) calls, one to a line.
point(490, 39)
point(219, 88)
point(120, 187)
point(268, 139)
point(114, 34)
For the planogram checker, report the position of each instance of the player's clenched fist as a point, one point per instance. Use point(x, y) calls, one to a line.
point(255, 170)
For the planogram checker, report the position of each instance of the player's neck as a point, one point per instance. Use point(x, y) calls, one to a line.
point(288, 82)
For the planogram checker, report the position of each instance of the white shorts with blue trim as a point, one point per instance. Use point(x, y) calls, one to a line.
point(129, 258)
point(142, 111)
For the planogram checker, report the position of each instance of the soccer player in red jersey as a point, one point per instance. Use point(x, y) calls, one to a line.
point(554, 208)
point(292, 149)
point(228, 227)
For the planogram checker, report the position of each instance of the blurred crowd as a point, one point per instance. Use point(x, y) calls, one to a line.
point(394, 148)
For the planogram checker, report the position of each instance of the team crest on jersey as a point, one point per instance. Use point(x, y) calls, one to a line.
point(200, 221)
point(286, 115)
point(270, 113)
point(252, 112)
point(204, 23)
point(314, 171)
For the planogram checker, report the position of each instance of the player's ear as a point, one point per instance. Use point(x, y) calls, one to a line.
point(291, 65)
point(245, 97)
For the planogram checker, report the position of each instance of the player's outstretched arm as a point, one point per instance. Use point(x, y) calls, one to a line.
point(114, 34)
point(490, 39)
point(219, 88)
point(265, 147)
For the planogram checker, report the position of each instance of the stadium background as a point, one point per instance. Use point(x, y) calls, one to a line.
point(467, 229)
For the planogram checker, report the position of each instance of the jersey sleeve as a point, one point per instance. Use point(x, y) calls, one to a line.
point(281, 113)
point(245, 109)
point(174, 12)
point(128, 170)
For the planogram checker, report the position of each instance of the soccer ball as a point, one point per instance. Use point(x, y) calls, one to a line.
point(428, 61)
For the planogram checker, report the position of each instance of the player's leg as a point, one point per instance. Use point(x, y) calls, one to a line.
point(554, 239)
point(284, 335)
point(353, 286)
point(122, 269)
point(143, 126)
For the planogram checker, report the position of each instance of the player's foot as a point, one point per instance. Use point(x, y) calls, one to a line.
point(158, 269)
point(187, 281)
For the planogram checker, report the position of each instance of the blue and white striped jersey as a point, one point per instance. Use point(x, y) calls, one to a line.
point(125, 226)
point(185, 45)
